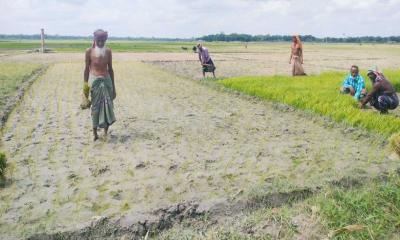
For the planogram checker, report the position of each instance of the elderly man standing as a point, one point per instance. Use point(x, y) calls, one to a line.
point(205, 60)
point(99, 75)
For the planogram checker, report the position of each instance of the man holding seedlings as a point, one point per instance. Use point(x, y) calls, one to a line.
point(383, 95)
point(205, 60)
point(99, 75)
point(354, 84)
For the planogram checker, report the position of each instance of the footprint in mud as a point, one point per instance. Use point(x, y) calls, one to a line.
point(8, 137)
point(173, 167)
point(160, 120)
point(115, 139)
point(99, 170)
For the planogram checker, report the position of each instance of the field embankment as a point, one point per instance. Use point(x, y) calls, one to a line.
point(15, 78)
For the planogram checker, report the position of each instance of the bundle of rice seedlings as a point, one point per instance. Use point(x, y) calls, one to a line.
point(395, 143)
point(85, 97)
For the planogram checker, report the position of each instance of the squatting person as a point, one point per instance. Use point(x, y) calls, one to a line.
point(99, 75)
point(354, 84)
point(205, 60)
point(383, 95)
point(296, 57)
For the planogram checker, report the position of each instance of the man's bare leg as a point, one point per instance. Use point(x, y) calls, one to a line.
point(96, 137)
point(204, 74)
point(214, 74)
point(106, 130)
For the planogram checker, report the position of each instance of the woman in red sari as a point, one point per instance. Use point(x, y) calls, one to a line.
point(296, 57)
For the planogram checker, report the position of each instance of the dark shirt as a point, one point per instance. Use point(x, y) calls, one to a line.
point(381, 86)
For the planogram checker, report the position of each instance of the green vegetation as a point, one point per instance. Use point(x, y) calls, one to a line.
point(3, 165)
point(79, 45)
point(320, 94)
point(395, 143)
point(82, 45)
point(288, 38)
point(115, 45)
point(222, 37)
point(375, 207)
point(11, 76)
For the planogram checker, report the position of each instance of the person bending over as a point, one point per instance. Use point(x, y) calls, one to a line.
point(205, 60)
point(383, 95)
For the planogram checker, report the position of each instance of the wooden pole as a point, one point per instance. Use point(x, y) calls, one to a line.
point(42, 38)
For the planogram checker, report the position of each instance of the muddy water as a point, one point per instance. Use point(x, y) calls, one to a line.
point(174, 140)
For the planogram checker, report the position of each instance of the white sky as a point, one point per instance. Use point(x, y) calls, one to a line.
point(194, 18)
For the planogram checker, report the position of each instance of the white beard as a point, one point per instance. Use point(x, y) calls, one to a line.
point(100, 52)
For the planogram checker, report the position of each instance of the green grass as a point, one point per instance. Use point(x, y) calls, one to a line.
point(120, 46)
point(376, 206)
point(11, 76)
point(176, 46)
point(319, 94)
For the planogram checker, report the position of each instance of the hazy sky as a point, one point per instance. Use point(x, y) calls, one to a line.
point(193, 18)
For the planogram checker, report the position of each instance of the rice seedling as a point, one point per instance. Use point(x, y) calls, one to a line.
point(3, 166)
point(320, 94)
point(12, 74)
point(395, 143)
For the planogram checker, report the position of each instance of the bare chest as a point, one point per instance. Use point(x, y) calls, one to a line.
point(99, 61)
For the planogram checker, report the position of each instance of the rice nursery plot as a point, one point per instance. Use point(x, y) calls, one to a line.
point(12, 74)
point(319, 94)
point(177, 142)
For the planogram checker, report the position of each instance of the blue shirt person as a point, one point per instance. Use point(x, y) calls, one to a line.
point(354, 84)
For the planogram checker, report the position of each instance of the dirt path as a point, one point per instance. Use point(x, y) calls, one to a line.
point(174, 140)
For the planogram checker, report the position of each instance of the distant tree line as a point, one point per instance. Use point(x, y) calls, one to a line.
point(235, 37)
point(221, 37)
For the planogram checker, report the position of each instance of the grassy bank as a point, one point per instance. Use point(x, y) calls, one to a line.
point(375, 208)
point(11, 76)
point(320, 95)
point(369, 211)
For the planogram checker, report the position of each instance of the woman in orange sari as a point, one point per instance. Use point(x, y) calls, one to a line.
point(296, 57)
